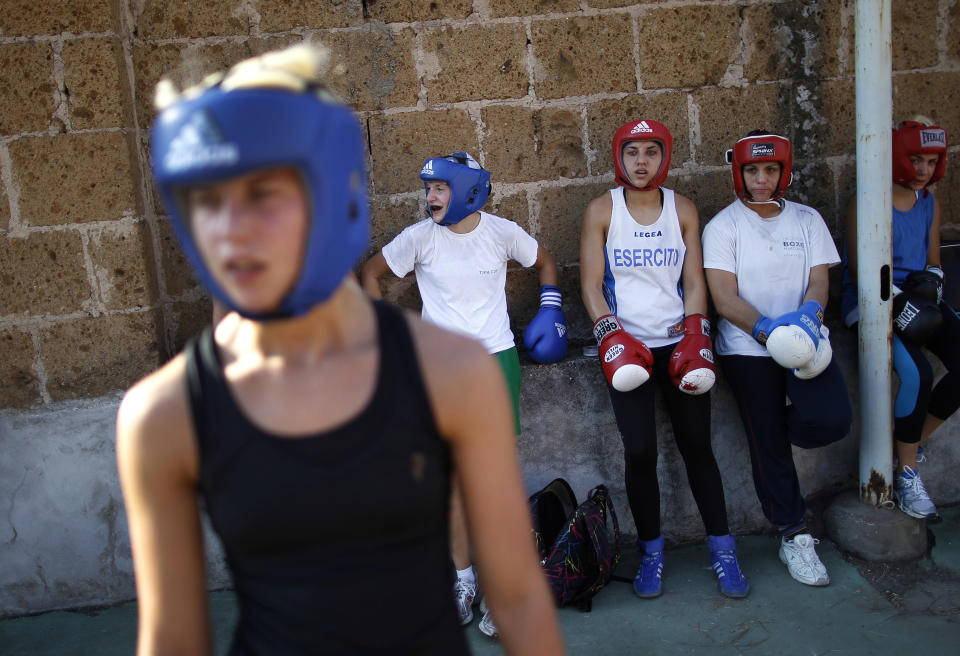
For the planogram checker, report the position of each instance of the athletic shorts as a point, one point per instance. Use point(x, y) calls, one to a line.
point(510, 364)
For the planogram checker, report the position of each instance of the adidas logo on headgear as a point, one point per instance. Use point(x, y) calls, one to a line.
point(199, 144)
point(641, 127)
point(427, 168)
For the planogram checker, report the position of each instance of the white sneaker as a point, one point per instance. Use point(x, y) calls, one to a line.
point(800, 557)
point(911, 494)
point(465, 592)
point(486, 622)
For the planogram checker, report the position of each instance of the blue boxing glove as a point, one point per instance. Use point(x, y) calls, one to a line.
point(808, 316)
point(546, 337)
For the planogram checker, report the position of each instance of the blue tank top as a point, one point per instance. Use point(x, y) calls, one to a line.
point(910, 234)
point(337, 542)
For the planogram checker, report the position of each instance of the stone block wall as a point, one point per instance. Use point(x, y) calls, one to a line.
point(93, 290)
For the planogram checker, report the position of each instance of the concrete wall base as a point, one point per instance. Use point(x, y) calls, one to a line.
point(872, 533)
point(63, 531)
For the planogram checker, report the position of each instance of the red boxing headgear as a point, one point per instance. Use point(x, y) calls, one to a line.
point(761, 148)
point(913, 138)
point(642, 131)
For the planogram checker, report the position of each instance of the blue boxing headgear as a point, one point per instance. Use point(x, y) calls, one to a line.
point(469, 186)
point(219, 135)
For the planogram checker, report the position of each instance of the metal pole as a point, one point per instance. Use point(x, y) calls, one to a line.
point(874, 90)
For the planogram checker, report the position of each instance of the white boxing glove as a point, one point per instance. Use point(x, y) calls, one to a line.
point(791, 346)
point(820, 361)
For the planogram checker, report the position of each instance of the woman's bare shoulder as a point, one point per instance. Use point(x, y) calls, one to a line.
point(599, 208)
point(154, 416)
point(444, 352)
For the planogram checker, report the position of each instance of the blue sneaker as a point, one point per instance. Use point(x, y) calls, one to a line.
point(723, 558)
point(648, 583)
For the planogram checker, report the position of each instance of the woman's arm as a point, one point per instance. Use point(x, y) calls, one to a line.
point(593, 239)
point(479, 428)
point(818, 288)
point(158, 465)
point(546, 267)
point(726, 297)
point(694, 284)
point(370, 274)
point(933, 250)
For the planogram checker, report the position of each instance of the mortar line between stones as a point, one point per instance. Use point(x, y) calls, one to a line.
point(151, 218)
point(61, 93)
point(38, 367)
point(15, 227)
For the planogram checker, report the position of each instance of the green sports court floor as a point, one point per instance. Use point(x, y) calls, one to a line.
point(868, 608)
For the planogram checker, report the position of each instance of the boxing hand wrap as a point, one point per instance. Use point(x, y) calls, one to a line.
point(820, 360)
point(546, 335)
point(626, 361)
point(916, 318)
point(691, 363)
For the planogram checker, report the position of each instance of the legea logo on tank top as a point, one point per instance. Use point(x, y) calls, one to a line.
point(655, 233)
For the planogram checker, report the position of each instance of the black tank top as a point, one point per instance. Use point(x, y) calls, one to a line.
point(337, 542)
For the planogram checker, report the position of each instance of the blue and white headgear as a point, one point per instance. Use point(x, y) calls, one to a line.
point(469, 184)
point(222, 134)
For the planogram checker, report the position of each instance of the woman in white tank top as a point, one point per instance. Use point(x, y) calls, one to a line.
point(642, 282)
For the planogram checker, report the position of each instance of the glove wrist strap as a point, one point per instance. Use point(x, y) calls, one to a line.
point(758, 333)
point(550, 297)
point(604, 326)
point(696, 324)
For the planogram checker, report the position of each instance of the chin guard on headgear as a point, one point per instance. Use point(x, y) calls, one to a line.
point(642, 131)
point(913, 138)
point(469, 184)
point(216, 135)
point(761, 148)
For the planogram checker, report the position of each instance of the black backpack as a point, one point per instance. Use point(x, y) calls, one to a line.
point(573, 541)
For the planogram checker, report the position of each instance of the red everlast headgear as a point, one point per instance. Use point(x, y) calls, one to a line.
point(642, 131)
point(761, 148)
point(913, 138)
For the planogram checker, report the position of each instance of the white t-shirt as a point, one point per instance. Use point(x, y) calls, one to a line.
point(462, 277)
point(771, 258)
point(641, 278)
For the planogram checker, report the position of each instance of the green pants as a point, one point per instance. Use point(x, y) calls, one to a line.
point(510, 364)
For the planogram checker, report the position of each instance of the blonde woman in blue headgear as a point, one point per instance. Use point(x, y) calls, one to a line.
point(459, 255)
point(317, 429)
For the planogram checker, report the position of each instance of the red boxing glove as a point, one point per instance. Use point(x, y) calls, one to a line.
point(691, 364)
point(627, 362)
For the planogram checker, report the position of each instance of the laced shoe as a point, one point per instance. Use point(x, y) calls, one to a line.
point(800, 556)
point(912, 496)
point(465, 593)
point(723, 559)
point(486, 625)
point(648, 583)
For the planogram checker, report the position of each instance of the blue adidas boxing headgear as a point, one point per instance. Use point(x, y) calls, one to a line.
point(220, 134)
point(469, 187)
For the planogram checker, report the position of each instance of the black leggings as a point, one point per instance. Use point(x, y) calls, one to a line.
point(819, 414)
point(690, 417)
point(917, 396)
